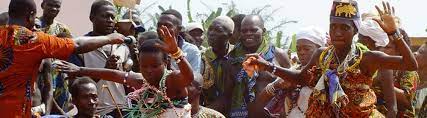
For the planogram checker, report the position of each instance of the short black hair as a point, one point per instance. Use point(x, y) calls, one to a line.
point(149, 46)
point(97, 5)
point(148, 35)
point(174, 13)
point(75, 86)
point(21, 8)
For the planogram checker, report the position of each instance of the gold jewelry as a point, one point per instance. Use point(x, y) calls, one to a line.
point(177, 54)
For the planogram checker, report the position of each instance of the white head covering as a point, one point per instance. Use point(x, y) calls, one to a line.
point(193, 26)
point(226, 21)
point(312, 34)
point(371, 29)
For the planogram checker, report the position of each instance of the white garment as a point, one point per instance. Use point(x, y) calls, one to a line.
point(97, 59)
point(373, 30)
point(302, 103)
point(419, 97)
point(313, 34)
point(170, 112)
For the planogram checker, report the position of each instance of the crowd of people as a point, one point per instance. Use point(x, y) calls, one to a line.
point(362, 67)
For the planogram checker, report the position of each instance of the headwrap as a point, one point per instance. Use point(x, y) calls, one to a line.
point(226, 21)
point(373, 30)
point(313, 34)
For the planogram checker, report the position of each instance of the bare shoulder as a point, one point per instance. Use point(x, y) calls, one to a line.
point(282, 57)
point(280, 50)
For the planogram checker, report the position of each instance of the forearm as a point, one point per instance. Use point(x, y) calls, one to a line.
point(126, 78)
point(388, 88)
point(87, 44)
point(408, 57)
point(185, 71)
point(102, 73)
point(286, 74)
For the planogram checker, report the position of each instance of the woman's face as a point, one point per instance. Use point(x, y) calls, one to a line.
point(151, 65)
point(305, 49)
point(342, 34)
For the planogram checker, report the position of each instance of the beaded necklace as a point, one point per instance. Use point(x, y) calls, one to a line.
point(150, 100)
point(329, 55)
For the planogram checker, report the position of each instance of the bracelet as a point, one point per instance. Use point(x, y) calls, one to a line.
point(396, 35)
point(177, 54)
point(271, 65)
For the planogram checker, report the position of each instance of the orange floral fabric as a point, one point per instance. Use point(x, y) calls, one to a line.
point(21, 52)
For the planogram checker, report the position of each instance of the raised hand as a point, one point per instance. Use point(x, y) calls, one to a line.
point(170, 46)
point(387, 21)
point(255, 62)
point(116, 38)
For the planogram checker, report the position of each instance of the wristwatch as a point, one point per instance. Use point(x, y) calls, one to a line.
point(396, 35)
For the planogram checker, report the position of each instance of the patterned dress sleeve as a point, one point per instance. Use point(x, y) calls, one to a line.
point(54, 47)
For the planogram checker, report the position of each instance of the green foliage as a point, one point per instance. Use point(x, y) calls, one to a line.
point(279, 35)
point(190, 18)
point(293, 46)
point(274, 34)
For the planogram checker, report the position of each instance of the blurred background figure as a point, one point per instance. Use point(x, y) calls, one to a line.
point(4, 17)
point(195, 30)
point(194, 92)
point(237, 19)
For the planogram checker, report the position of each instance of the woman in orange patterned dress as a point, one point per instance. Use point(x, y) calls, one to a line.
point(342, 74)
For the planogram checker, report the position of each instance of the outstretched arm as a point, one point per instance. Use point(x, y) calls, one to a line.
point(87, 44)
point(129, 78)
point(294, 76)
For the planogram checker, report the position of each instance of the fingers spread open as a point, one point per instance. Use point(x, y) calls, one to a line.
point(385, 8)
point(389, 8)
point(379, 10)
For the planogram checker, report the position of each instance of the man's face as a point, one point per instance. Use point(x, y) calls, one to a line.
point(103, 20)
point(194, 90)
point(305, 49)
point(168, 21)
point(218, 36)
point(341, 34)
point(197, 35)
point(87, 99)
point(51, 8)
point(251, 33)
point(151, 65)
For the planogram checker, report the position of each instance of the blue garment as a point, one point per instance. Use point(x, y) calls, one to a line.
point(192, 54)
